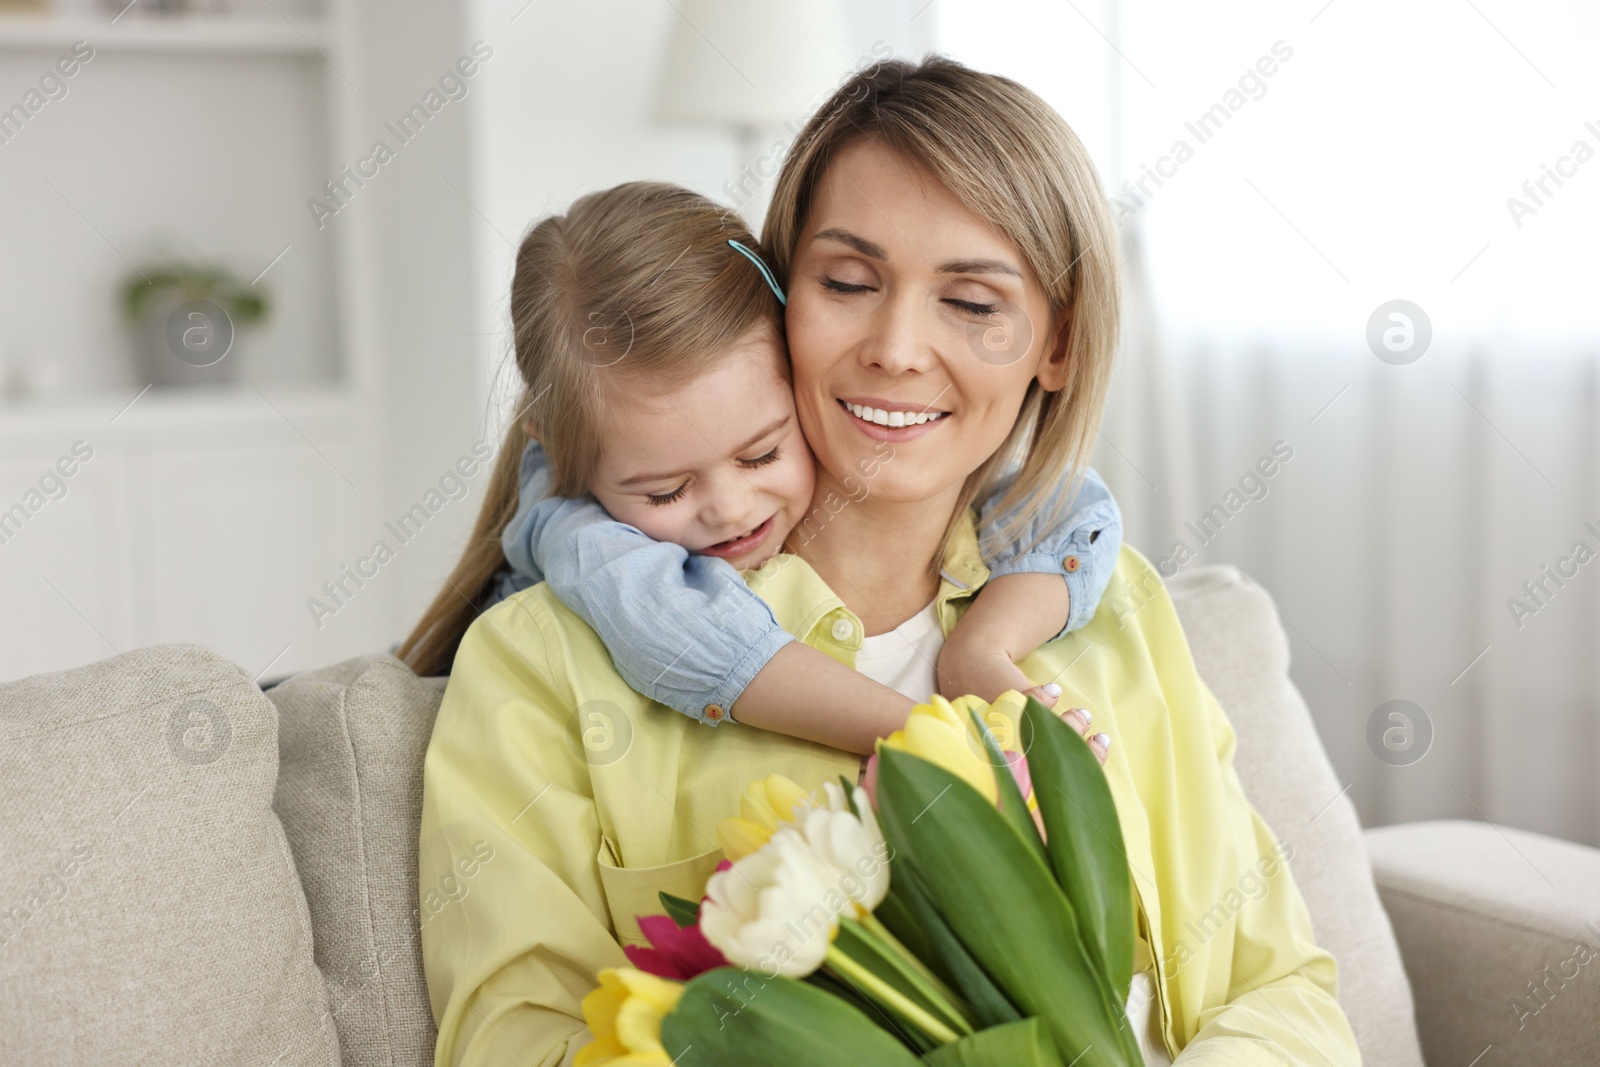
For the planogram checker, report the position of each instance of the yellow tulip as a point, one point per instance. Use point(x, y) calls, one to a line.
point(767, 802)
point(941, 732)
point(625, 1014)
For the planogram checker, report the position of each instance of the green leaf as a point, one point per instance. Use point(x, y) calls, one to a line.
point(948, 955)
point(683, 912)
point(1085, 843)
point(896, 914)
point(1002, 901)
point(731, 1016)
point(1012, 803)
point(1019, 1044)
point(849, 795)
point(892, 967)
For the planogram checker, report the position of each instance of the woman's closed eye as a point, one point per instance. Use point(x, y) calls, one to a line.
point(971, 307)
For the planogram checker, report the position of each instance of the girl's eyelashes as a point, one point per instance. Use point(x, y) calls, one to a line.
point(974, 308)
point(762, 461)
point(666, 498)
point(836, 286)
point(662, 499)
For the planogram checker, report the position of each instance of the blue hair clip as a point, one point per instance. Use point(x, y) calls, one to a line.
point(762, 267)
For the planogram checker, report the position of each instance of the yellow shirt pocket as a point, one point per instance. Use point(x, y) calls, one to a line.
point(632, 891)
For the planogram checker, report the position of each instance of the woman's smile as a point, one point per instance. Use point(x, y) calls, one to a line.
point(889, 420)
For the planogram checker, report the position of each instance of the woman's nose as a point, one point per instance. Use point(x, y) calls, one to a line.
point(899, 342)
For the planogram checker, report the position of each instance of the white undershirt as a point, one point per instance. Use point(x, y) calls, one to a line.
point(903, 659)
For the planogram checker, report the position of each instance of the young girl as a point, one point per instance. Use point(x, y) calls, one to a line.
point(650, 336)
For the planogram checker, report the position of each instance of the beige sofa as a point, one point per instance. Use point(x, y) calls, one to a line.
point(197, 872)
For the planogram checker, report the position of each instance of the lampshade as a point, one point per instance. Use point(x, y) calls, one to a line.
point(752, 62)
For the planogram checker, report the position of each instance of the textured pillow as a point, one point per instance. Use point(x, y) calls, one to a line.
point(152, 913)
point(351, 739)
point(1243, 655)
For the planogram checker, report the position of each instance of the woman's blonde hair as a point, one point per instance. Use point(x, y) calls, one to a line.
point(638, 280)
point(1014, 162)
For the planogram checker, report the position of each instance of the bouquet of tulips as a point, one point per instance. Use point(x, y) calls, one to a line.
point(969, 904)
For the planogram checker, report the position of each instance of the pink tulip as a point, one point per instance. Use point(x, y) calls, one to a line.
point(677, 952)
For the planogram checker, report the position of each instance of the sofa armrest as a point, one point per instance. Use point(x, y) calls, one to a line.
point(1500, 932)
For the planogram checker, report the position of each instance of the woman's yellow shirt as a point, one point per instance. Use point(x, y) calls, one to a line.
point(557, 803)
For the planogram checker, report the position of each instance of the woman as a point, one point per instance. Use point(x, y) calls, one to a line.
point(943, 241)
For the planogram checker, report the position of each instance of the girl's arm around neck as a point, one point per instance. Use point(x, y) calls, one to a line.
point(806, 693)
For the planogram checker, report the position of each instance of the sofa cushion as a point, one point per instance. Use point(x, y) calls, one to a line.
point(1242, 653)
point(153, 913)
point(352, 737)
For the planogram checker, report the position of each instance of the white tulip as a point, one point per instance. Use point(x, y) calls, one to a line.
point(769, 912)
point(852, 848)
point(777, 910)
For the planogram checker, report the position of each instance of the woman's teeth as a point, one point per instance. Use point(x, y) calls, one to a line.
point(892, 418)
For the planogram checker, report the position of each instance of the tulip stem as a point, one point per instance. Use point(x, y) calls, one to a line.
point(875, 926)
point(889, 997)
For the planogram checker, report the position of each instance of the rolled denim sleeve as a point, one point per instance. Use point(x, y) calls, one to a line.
point(682, 629)
point(1083, 549)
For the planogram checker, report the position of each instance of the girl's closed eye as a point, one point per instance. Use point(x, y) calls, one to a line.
point(762, 461)
point(662, 499)
point(659, 500)
point(834, 285)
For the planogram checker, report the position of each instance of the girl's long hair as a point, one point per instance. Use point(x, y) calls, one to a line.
point(1014, 162)
point(638, 280)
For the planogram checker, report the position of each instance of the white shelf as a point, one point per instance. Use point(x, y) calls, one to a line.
point(198, 34)
point(189, 406)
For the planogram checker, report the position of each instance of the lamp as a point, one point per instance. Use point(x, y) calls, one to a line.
point(749, 66)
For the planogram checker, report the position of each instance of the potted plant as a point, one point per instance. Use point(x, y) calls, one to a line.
point(186, 319)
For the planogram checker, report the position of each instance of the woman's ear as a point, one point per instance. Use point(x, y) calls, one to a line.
point(1052, 373)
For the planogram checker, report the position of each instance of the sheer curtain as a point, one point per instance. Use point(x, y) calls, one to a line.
point(1430, 530)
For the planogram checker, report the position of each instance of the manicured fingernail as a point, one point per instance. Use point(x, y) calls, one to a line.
point(1052, 688)
point(1088, 719)
point(1105, 741)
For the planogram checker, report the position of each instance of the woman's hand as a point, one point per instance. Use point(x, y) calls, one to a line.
point(985, 673)
point(1077, 718)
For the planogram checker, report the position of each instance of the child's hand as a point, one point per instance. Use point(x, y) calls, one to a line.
point(986, 673)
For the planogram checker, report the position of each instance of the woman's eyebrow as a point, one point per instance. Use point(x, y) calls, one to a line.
point(955, 266)
point(978, 266)
point(860, 244)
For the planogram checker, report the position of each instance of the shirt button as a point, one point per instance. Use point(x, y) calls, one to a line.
point(713, 712)
point(1071, 563)
point(842, 630)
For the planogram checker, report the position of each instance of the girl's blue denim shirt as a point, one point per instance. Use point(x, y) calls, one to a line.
point(685, 630)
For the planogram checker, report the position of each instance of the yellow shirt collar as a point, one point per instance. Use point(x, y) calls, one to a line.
point(805, 606)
